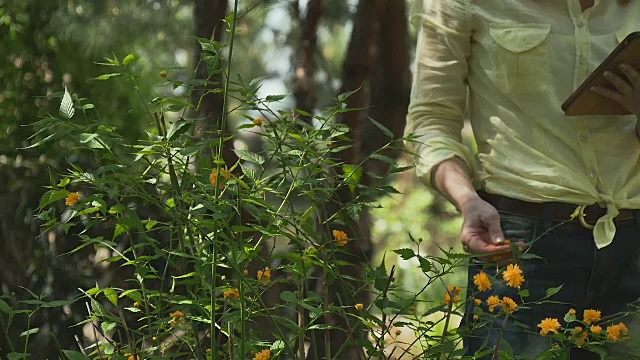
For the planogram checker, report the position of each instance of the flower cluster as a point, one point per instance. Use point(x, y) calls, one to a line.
point(580, 335)
point(452, 291)
point(263, 355)
point(264, 275)
point(177, 316)
point(218, 179)
point(231, 293)
point(340, 237)
point(513, 277)
point(72, 199)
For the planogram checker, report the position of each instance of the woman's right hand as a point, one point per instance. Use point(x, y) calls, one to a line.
point(481, 232)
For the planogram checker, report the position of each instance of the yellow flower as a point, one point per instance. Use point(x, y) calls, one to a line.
point(478, 302)
point(218, 180)
point(340, 237)
point(617, 332)
point(549, 325)
point(493, 301)
point(581, 336)
point(572, 311)
point(476, 317)
point(595, 329)
point(131, 357)
point(176, 314)
point(359, 306)
point(263, 355)
point(481, 280)
point(231, 293)
point(508, 305)
point(258, 121)
point(264, 275)
point(590, 316)
point(455, 291)
point(245, 272)
point(513, 276)
point(72, 199)
point(164, 73)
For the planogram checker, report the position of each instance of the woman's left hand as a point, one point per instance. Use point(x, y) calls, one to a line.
point(627, 91)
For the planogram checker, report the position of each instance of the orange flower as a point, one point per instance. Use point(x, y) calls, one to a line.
point(264, 275)
point(492, 302)
point(258, 121)
point(340, 237)
point(131, 357)
point(580, 336)
point(572, 311)
point(176, 314)
point(513, 276)
point(508, 305)
point(263, 355)
point(359, 306)
point(455, 291)
point(617, 332)
point(478, 302)
point(549, 325)
point(590, 316)
point(218, 180)
point(232, 293)
point(481, 280)
point(72, 199)
point(596, 329)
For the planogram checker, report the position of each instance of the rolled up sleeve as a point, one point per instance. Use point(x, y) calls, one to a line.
point(438, 95)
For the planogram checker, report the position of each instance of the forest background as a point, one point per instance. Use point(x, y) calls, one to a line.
point(309, 50)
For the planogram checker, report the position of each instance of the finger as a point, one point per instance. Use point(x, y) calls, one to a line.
point(608, 93)
point(477, 244)
point(492, 223)
point(619, 83)
point(632, 75)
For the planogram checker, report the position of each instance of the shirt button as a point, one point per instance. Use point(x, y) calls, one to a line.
point(580, 23)
point(583, 137)
point(592, 174)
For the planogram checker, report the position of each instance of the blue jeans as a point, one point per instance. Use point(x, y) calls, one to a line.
point(607, 279)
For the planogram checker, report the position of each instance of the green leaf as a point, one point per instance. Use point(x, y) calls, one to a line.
point(66, 106)
point(382, 128)
point(108, 326)
point(250, 156)
point(111, 295)
point(178, 127)
point(405, 254)
point(52, 196)
point(289, 297)
point(274, 98)
point(5, 308)
point(75, 355)
point(129, 59)
point(553, 291)
point(108, 76)
point(17, 356)
point(29, 332)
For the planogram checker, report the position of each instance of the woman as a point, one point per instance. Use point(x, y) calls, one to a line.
point(511, 64)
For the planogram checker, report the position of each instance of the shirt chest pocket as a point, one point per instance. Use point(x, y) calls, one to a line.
point(521, 57)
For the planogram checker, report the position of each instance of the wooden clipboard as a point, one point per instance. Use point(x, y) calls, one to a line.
point(583, 101)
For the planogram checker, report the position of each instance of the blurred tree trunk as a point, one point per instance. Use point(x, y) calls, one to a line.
point(377, 63)
point(305, 67)
point(208, 16)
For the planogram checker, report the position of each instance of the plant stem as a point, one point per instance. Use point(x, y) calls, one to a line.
point(496, 352)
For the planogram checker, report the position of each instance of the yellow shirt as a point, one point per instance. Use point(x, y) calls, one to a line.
point(519, 61)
